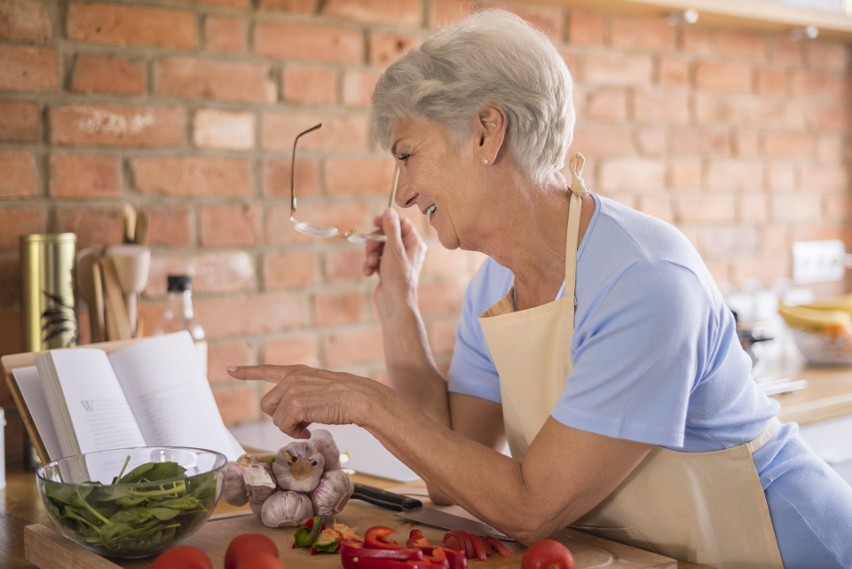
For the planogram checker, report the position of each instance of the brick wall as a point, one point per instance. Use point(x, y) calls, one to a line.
point(187, 109)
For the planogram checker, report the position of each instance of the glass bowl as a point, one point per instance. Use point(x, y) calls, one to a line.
point(824, 347)
point(163, 496)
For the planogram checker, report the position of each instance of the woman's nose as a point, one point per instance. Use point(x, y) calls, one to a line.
point(405, 194)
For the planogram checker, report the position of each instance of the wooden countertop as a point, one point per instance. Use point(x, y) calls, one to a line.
point(827, 396)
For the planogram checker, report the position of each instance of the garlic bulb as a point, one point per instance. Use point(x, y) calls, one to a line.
point(324, 443)
point(332, 492)
point(234, 489)
point(286, 509)
point(298, 466)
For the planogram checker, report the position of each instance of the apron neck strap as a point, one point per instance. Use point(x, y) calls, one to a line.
point(579, 190)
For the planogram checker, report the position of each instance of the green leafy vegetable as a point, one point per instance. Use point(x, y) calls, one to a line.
point(144, 508)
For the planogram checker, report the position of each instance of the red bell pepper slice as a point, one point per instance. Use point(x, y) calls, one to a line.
point(497, 545)
point(354, 557)
point(377, 538)
point(347, 549)
point(416, 540)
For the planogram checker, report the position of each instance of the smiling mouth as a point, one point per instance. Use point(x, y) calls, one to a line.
point(430, 210)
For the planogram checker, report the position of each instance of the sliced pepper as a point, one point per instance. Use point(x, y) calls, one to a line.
point(497, 545)
point(401, 554)
point(308, 532)
point(326, 542)
point(417, 540)
point(377, 538)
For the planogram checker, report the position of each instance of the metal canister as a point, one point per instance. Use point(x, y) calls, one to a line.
point(49, 312)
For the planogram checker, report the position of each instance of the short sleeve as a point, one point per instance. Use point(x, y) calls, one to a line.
point(639, 346)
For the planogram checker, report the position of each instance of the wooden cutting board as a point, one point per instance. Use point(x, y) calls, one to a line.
point(46, 549)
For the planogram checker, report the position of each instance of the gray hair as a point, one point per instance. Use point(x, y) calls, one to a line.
point(493, 57)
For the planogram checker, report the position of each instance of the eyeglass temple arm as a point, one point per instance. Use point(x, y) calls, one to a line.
point(293, 169)
point(395, 186)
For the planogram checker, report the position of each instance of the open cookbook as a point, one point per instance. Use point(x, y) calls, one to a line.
point(151, 392)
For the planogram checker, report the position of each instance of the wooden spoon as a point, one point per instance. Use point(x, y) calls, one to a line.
point(87, 259)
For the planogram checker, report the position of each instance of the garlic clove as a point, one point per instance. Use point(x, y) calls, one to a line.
point(324, 443)
point(298, 466)
point(332, 493)
point(259, 481)
point(234, 490)
point(286, 508)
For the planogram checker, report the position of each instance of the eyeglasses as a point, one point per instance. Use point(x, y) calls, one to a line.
point(314, 230)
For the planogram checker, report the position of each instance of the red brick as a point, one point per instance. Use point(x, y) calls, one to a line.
point(386, 47)
point(652, 141)
point(227, 130)
point(585, 29)
point(368, 176)
point(107, 74)
point(26, 68)
point(290, 269)
point(697, 40)
point(26, 20)
point(339, 307)
point(829, 117)
point(701, 141)
point(546, 18)
point(829, 177)
point(238, 403)
point(235, 4)
point(658, 205)
point(614, 68)
point(19, 121)
point(817, 84)
point(442, 12)
point(279, 228)
point(800, 207)
point(344, 264)
point(780, 175)
point(306, 7)
point(119, 125)
point(637, 173)
point(132, 25)
point(605, 104)
point(753, 209)
point(17, 221)
point(739, 174)
point(704, 209)
point(727, 241)
point(230, 225)
point(827, 55)
point(309, 42)
point(276, 178)
point(643, 34)
point(95, 226)
point(786, 52)
point(672, 70)
point(309, 85)
point(225, 34)
point(192, 176)
point(350, 346)
point(292, 349)
point(683, 173)
point(661, 106)
point(208, 79)
point(84, 176)
point(170, 225)
point(10, 332)
point(446, 263)
point(20, 178)
point(220, 355)
point(441, 297)
point(741, 45)
point(789, 144)
point(339, 132)
point(358, 85)
point(772, 81)
point(254, 314)
point(10, 281)
point(727, 77)
point(599, 141)
point(400, 12)
point(747, 143)
point(218, 272)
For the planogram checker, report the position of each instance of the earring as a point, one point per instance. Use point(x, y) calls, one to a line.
point(485, 160)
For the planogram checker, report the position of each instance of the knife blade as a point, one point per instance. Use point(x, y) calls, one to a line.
point(450, 521)
point(413, 510)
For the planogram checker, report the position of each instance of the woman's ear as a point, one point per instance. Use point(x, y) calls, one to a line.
point(491, 131)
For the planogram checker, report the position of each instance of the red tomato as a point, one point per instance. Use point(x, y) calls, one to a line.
point(262, 561)
point(547, 554)
point(182, 557)
point(247, 545)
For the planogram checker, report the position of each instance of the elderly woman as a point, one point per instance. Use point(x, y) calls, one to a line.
point(593, 339)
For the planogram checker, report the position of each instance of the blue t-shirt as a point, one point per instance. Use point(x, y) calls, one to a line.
point(656, 359)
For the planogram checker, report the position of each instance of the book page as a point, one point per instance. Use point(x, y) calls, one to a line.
point(86, 400)
point(29, 384)
point(170, 396)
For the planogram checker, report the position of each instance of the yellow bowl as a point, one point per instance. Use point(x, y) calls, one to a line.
point(163, 496)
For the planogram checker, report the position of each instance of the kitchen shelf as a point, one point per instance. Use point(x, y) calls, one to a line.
point(754, 14)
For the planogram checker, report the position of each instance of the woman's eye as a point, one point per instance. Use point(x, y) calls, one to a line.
point(404, 157)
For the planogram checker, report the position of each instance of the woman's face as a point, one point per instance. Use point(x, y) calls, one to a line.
point(437, 178)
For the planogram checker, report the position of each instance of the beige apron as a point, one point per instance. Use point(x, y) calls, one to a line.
point(700, 507)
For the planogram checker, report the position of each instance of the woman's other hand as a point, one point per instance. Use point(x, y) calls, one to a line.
point(397, 261)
